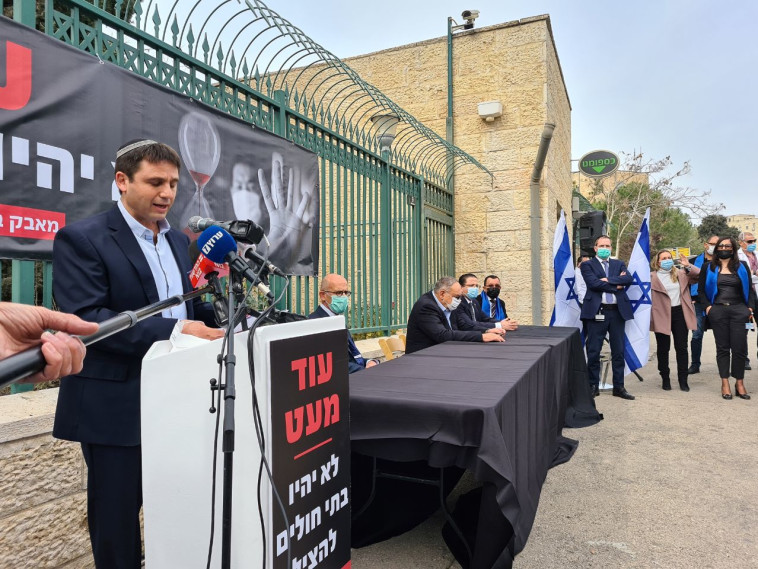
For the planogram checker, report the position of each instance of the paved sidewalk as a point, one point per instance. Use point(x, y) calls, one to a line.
point(669, 480)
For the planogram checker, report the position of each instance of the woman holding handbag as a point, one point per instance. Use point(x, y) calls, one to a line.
point(726, 290)
point(672, 313)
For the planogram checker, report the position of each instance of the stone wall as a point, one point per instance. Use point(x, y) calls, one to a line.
point(517, 64)
point(43, 503)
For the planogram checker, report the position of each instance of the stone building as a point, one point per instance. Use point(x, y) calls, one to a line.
point(515, 63)
point(586, 185)
point(743, 222)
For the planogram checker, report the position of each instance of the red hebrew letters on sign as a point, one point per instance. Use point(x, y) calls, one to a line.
point(317, 374)
point(18, 77)
point(311, 417)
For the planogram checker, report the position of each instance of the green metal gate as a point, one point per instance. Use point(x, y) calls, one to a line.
point(386, 212)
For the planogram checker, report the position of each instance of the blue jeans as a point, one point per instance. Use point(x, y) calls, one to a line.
point(696, 344)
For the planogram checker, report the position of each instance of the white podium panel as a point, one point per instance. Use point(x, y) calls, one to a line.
point(178, 434)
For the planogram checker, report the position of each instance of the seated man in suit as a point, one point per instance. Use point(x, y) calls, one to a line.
point(431, 321)
point(469, 315)
point(492, 306)
point(605, 310)
point(334, 296)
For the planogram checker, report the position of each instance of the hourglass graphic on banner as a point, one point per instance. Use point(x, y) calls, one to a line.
point(200, 147)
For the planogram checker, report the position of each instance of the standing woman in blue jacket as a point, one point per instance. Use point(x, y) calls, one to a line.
point(726, 290)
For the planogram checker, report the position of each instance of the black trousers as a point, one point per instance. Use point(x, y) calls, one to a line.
point(663, 342)
point(114, 499)
point(728, 325)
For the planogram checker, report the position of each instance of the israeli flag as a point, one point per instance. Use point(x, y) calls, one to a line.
point(566, 310)
point(637, 341)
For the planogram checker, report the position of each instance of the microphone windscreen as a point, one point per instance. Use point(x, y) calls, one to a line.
point(194, 223)
point(215, 243)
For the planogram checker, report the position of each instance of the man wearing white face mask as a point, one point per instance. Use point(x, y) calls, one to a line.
point(334, 296)
point(696, 344)
point(431, 321)
point(605, 310)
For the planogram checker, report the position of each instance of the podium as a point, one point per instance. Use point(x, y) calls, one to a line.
point(302, 389)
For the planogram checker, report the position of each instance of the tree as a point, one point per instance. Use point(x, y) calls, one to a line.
point(643, 183)
point(126, 11)
point(671, 228)
point(716, 225)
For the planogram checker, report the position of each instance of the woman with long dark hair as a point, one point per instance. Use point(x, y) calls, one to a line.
point(672, 313)
point(726, 290)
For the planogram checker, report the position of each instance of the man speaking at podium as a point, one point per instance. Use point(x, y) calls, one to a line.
point(122, 259)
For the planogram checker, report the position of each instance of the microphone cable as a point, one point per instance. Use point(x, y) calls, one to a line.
point(256, 420)
point(229, 333)
point(261, 438)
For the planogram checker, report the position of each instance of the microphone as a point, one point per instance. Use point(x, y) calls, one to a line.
point(259, 260)
point(245, 231)
point(220, 247)
point(203, 266)
point(205, 270)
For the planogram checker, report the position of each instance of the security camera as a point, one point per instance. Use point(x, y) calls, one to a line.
point(469, 16)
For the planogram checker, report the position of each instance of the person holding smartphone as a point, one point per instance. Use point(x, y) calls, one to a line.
point(672, 313)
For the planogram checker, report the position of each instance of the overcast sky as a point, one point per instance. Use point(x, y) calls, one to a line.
point(675, 77)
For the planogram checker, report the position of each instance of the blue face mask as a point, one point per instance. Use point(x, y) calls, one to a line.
point(751, 247)
point(667, 264)
point(338, 305)
point(603, 253)
point(472, 292)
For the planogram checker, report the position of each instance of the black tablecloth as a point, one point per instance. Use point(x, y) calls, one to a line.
point(495, 409)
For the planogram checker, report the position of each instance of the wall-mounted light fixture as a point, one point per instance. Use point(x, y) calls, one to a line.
point(386, 128)
point(490, 110)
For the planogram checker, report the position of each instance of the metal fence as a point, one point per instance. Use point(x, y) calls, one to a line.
point(386, 211)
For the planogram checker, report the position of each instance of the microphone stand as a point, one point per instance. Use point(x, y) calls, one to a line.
point(21, 365)
point(236, 295)
point(230, 393)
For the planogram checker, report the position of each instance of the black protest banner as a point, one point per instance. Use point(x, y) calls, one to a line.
point(63, 115)
point(310, 449)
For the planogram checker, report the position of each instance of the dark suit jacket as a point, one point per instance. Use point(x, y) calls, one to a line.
point(101, 271)
point(352, 365)
point(486, 317)
point(469, 316)
point(592, 272)
point(427, 326)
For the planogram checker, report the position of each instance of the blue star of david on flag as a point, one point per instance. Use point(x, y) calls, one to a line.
point(566, 308)
point(637, 330)
point(644, 288)
point(571, 294)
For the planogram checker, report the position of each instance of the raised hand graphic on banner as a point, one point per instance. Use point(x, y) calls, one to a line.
point(290, 216)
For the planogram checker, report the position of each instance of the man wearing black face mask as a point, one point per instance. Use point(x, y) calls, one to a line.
point(492, 306)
